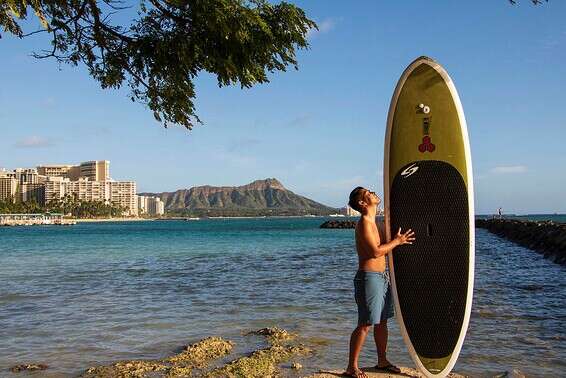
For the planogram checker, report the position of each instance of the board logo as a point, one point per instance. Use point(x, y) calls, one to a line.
point(426, 144)
point(409, 170)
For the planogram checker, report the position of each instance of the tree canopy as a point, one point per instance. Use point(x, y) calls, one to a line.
point(167, 44)
point(535, 2)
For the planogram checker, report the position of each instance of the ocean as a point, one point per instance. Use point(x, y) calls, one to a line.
point(95, 293)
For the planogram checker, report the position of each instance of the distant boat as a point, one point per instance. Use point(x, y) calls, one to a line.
point(336, 215)
point(192, 218)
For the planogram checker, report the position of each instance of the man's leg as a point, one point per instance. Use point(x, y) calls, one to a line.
point(380, 337)
point(356, 342)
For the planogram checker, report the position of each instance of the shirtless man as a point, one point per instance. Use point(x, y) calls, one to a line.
point(371, 284)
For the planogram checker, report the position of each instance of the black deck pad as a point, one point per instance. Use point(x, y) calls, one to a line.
point(431, 275)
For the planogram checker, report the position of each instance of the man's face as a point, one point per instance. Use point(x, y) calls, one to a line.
point(371, 198)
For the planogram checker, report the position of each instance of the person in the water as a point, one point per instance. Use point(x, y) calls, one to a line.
point(371, 283)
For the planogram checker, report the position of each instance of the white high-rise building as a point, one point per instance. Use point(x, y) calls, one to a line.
point(150, 205)
point(122, 193)
point(349, 212)
point(8, 187)
point(88, 181)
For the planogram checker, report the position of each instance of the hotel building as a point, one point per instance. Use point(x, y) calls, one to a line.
point(349, 212)
point(95, 170)
point(150, 205)
point(98, 170)
point(8, 187)
point(122, 193)
point(70, 171)
point(88, 181)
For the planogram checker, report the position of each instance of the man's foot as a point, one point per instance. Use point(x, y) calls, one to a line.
point(355, 373)
point(389, 367)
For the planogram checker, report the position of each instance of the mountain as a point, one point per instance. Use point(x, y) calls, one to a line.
point(261, 197)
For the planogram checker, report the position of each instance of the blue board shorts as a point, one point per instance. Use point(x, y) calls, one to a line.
point(373, 297)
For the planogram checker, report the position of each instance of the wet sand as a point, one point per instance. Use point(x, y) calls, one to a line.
point(374, 373)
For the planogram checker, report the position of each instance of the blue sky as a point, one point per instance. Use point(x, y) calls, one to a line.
point(320, 130)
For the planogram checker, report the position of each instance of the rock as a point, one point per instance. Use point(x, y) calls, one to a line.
point(194, 356)
point(274, 335)
point(28, 367)
point(548, 238)
point(261, 363)
point(296, 366)
point(338, 224)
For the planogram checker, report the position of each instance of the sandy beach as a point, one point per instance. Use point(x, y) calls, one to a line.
point(374, 373)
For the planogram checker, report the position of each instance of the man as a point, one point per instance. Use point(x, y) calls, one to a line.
point(371, 284)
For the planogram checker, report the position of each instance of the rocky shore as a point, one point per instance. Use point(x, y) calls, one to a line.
point(339, 224)
point(547, 238)
point(284, 356)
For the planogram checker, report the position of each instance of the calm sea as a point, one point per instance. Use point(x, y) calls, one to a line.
point(76, 296)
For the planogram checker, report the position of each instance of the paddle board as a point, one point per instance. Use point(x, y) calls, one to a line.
point(429, 188)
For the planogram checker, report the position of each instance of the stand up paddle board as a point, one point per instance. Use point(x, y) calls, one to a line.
point(429, 188)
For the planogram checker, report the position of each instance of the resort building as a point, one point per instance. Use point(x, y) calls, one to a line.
point(95, 170)
point(28, 176)
point(8, 187)
point(122, 193)
point(150, 205)
point(70, 171)
point(32, 192)
point(88, 181)
point(156, 206)
point(142, 204)
point(349, 212)
point(98, 170)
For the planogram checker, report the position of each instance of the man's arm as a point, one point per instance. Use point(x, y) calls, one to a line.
point(370, 240)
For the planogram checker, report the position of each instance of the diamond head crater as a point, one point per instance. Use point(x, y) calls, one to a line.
point(259, 198)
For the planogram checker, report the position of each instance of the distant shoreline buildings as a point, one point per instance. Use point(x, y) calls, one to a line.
point(88, 181)
point(349, 212)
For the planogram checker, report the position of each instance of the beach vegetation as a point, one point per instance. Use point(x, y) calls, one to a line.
point(159, 47)
point(66, 205)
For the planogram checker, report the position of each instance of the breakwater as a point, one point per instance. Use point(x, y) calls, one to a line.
point(547, 238)
point(339, 224)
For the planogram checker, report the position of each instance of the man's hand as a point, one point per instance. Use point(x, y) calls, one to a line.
point(406, 238)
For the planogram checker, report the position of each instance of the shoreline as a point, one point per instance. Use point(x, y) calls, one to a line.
point(277, 353)
point(95, 220)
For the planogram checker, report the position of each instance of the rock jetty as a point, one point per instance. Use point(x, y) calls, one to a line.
point(547, 238)
point(338, 224)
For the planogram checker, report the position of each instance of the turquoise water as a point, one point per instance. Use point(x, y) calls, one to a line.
point(72, 297)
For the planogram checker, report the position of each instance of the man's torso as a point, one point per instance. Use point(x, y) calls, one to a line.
point(366, 260)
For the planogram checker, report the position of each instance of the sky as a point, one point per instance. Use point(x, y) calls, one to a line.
point(320, 130)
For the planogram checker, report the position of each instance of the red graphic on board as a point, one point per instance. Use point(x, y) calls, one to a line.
point(426, 145)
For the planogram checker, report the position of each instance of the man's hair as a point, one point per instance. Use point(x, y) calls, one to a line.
point(355, 198)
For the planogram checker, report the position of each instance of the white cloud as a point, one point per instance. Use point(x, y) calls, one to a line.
point(33, 141)
point(324, 26)
point(504, 169)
